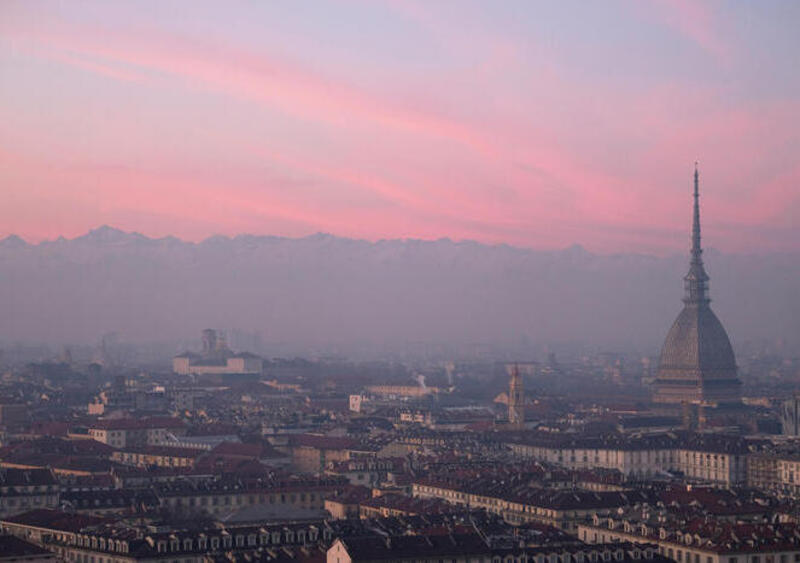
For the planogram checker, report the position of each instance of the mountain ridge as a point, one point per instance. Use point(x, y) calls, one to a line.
point(324, 288)
point(107, 233)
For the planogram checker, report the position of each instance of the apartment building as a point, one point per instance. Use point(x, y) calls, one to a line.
point(713, 458)
point(126, 432)
point(698, 540)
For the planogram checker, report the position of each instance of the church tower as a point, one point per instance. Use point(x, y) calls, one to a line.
point(697, 362)
point(516, 399)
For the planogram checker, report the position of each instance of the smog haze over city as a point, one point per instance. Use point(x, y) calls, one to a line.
point(400, 281)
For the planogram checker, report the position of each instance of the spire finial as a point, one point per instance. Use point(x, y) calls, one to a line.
point(696, 279)
point(696, 248)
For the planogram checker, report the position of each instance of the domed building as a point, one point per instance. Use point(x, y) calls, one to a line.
point(697, 363)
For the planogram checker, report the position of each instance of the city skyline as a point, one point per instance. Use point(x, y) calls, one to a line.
point(538, 126)
point(345, 281)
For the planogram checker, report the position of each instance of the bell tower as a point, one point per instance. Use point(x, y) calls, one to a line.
point(516, 399)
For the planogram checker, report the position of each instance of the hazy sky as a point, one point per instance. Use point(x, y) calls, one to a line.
point(539, 124)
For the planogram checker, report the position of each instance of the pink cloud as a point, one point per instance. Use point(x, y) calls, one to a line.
point(109, 70)
point(696, 20)
point(550, 163)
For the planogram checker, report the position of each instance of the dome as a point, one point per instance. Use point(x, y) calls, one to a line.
point(697, 343)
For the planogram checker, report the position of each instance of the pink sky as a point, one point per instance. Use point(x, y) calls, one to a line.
point(533, 124)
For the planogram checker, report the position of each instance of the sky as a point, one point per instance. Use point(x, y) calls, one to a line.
point(537, 124)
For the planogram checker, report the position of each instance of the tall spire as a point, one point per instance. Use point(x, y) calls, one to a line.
point(697, 250)
point(696, 281)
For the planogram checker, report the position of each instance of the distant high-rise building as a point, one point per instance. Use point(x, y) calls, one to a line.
point(697, 362)
point(516, 399)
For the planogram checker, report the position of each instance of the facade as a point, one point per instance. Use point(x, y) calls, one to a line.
point(355, 402)
point(472, 548)
point(83, 540)
point(192, 364)
point(402, 391)
point(787, 474)
point(224, 498)
point(312, 453)
point(136, 432)
point(108, 502)
point(762, 471)
point(347, 504)
point(400, 506)
point(26, 489)
point(158, 456)
point(697, 363)
point(561, 509)
point(37, 526)
point(364, 471)
point(13, 414)
point(16, 550)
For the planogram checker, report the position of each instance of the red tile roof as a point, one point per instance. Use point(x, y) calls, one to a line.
point(323, 442)
point(55, 520)
point(137, 423)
